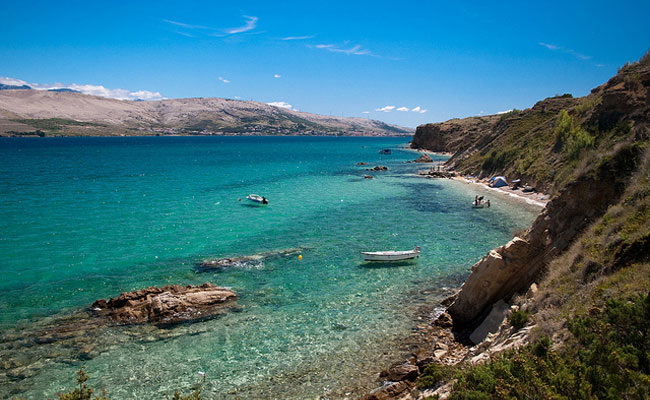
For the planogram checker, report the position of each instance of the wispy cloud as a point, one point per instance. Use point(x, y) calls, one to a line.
point(504, 112)
point(280, 104)
point(564, 50)
point(356, 50)
point(365, 112)
point(403, 109)
point(184, 34)
point(386, 108)
point(419, 109)
point(250, 24)
point(95, 90)
point(188, 26)
point(297, 37)
point(277, 76)
point(224, 80)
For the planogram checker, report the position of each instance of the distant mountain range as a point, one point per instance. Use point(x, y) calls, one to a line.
point(64, 112)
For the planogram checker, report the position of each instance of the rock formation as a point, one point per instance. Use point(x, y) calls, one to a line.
point(424, 158)
point(173, 303)
point(510, 269)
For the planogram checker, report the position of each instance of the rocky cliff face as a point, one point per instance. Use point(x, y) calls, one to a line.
point(621, 108)
point(453, 135)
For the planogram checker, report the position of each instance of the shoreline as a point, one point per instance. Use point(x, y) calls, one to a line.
point(533, 198)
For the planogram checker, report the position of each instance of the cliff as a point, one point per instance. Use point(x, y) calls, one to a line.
point(562, 310)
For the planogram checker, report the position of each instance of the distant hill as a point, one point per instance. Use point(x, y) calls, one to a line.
point(59, 112)
point(63, 90)
point(13, 87)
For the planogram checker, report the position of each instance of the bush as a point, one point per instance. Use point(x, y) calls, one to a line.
point(83, 392)
point(574, 139)
point(434, 375)
point(518, 319)
point(608, 357)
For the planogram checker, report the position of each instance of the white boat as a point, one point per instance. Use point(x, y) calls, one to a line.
point(256, 198)
point(391, 255)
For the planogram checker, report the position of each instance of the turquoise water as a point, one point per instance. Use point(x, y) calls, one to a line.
point(87, 218)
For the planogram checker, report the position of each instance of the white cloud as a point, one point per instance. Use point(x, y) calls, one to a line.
point(12, 81)
point(250, 24)
point(417, 109)
point(365, 112)
point(277, 76)
point(280, 104)
point(297, 38)
point(402, 109)
point(94, 90)
point(188, 26)
point(224, 80)
point(386, 109)
point(565, 50)
point(356, 50)
point(504, 112)
point(549, 46)
point(423, 111)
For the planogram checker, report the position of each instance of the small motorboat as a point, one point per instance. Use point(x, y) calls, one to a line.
point(256, 198)
point(391, 255)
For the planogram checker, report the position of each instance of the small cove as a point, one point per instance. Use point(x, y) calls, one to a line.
point(87, 218)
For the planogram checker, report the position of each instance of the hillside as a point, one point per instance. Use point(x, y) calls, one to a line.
point(51, 113)
point(562, 310)
point(545, 144)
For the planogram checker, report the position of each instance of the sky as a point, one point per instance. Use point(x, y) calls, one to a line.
point(402, 62)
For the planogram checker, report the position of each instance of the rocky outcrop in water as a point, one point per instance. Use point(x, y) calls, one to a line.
point(424, 158)
point(173, 303)
point(378, 168)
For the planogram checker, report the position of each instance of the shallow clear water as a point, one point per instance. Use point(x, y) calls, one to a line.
point(87, 218)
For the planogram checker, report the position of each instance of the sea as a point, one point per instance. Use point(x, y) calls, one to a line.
point(88, 218)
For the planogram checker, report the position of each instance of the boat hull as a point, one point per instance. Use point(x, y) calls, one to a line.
point(389, 255)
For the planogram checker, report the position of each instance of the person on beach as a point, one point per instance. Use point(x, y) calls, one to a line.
point(476, 200)
point(488, 203)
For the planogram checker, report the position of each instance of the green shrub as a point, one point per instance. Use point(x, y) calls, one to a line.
point(607, 358)
point(574, 139)
point(434, 375)
point(518, 319)
point(83, 392)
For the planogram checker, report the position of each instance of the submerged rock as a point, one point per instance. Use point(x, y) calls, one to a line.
point(378, 168)
point(173, 303)
point(249, 261)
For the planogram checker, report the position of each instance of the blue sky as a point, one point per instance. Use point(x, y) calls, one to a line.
point(452, 59)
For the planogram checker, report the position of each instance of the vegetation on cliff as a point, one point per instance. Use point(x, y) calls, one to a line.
point(591, 335)
point(547, 144)
point(606, 356)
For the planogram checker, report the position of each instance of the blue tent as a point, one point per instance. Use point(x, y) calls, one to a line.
point(498, 181)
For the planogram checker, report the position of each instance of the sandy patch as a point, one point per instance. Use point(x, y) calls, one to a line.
point(537, 199)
